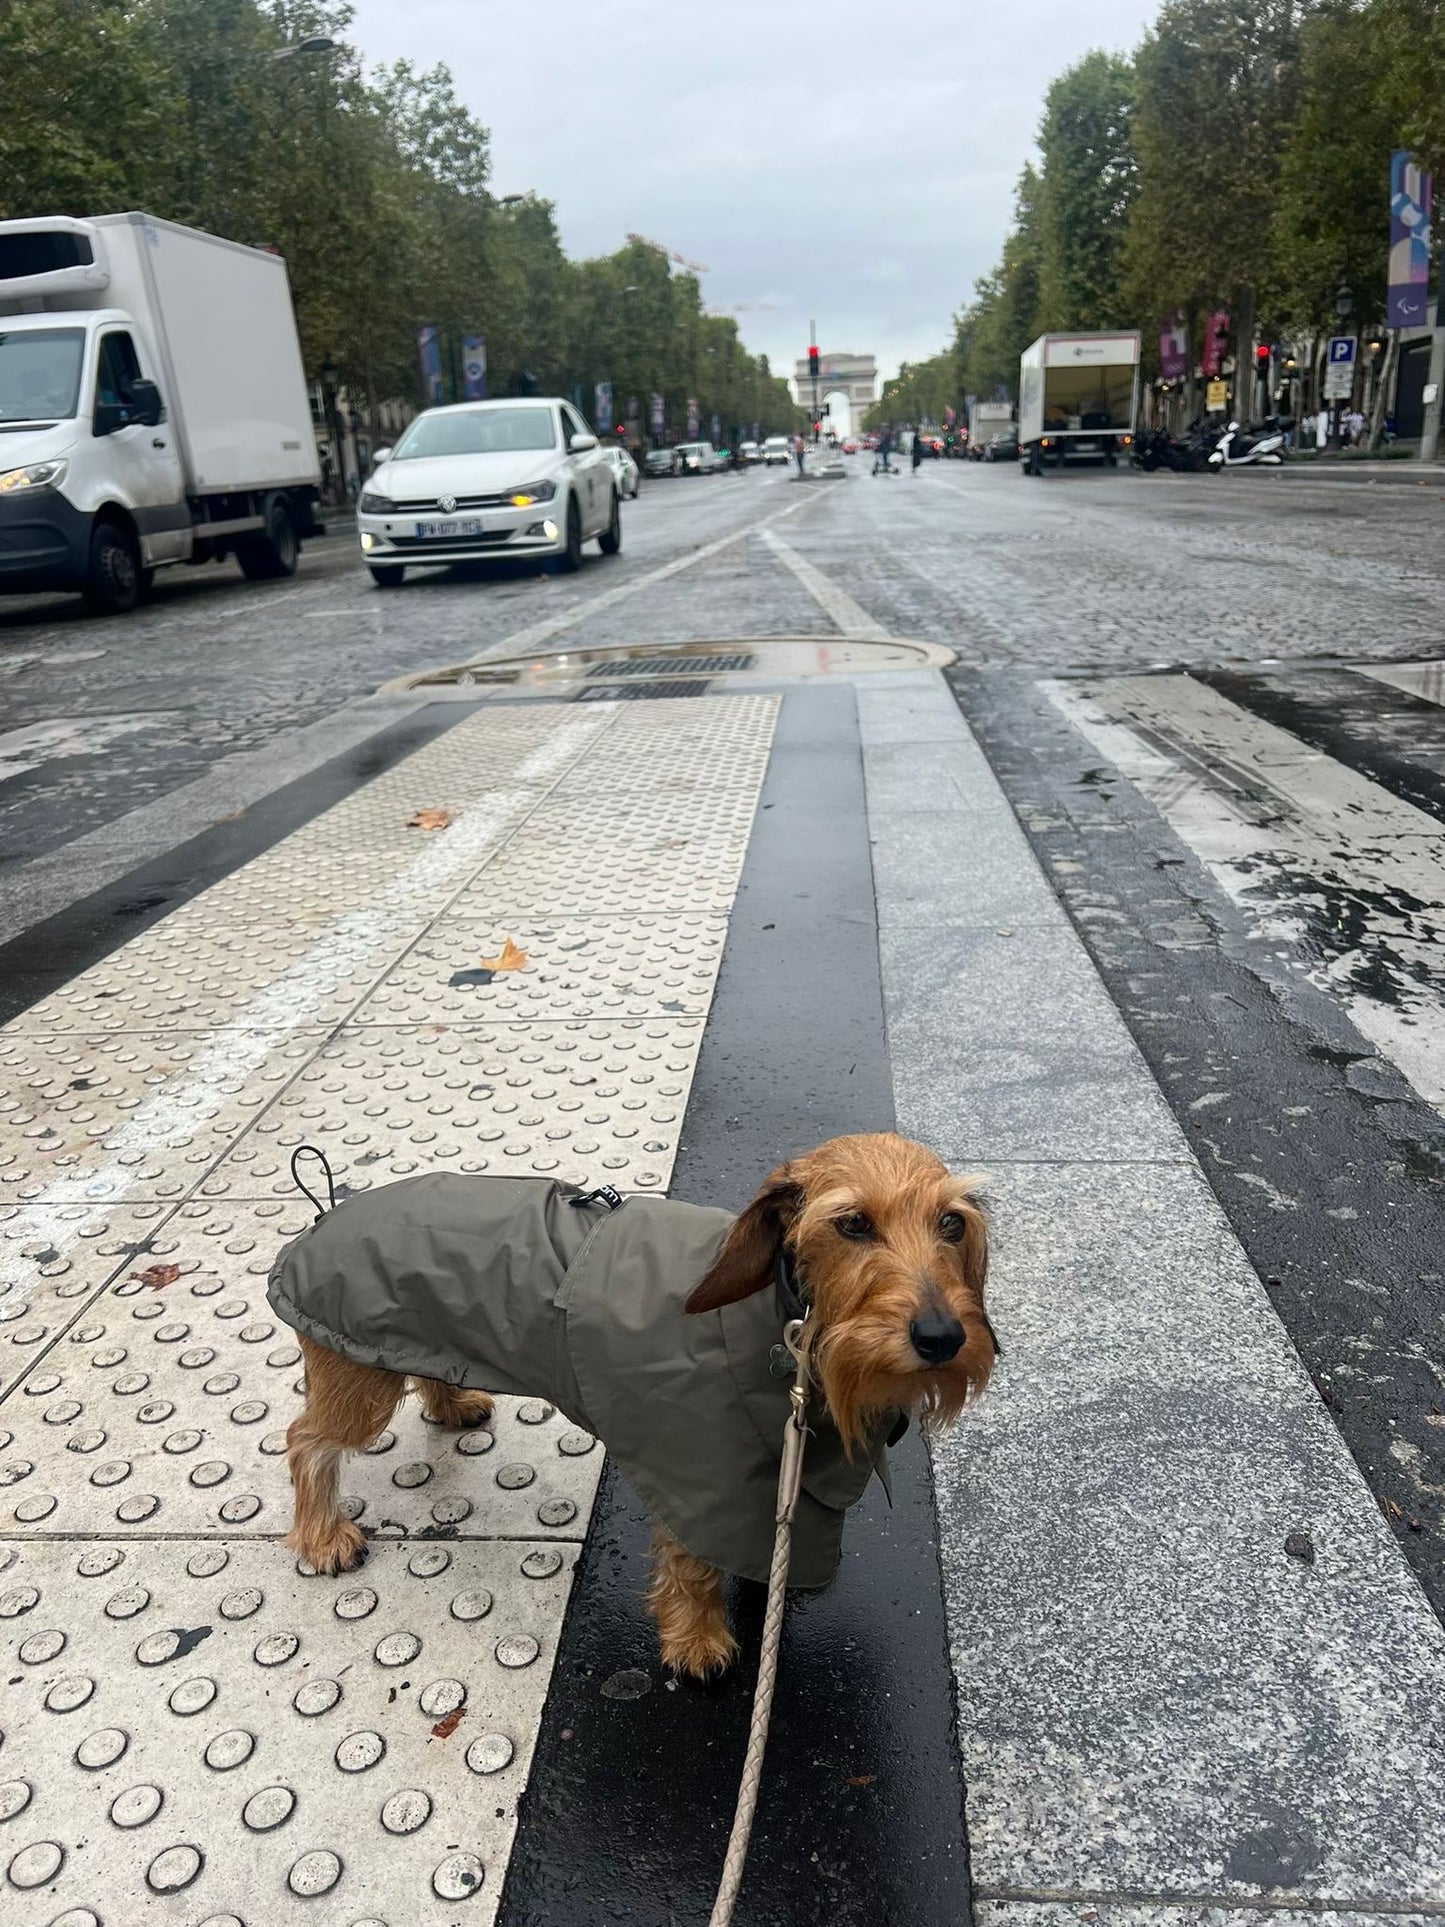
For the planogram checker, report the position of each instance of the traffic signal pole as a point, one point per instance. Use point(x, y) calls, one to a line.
point(813, 372)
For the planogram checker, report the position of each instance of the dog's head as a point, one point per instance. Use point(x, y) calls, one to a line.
point(891, 1251)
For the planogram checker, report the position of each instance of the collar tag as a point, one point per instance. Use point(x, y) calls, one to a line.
point(780, 1362)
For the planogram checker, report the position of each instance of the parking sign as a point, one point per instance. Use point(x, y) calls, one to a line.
point(1340, 367)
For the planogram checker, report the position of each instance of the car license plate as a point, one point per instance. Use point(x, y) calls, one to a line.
point(460, 525)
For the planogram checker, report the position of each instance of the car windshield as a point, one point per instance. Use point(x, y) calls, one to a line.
point(477, 431)
point(40, 373)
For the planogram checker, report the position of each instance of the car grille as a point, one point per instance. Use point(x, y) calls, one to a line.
point(430, 505)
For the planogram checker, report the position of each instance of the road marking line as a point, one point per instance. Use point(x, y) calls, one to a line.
point(849, 617)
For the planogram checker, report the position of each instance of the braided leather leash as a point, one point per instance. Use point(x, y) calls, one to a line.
point(790, 1480)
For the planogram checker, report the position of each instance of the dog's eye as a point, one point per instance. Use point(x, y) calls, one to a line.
point(951, 1228)
point(855, 1225)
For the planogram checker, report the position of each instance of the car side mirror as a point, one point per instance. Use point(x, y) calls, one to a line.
point(381, 455)
point(580, 444)
point(145, 406)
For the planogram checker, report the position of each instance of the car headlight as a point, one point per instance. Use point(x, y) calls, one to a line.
point(530, 492)
point(37, 475)
point(374, 504)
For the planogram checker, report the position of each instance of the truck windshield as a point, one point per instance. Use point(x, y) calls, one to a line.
point(476, 431)
point(40, 373)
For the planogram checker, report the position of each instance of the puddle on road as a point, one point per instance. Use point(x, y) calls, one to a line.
point(678, 668)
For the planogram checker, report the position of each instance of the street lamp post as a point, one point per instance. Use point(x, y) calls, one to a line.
point(1344, 308)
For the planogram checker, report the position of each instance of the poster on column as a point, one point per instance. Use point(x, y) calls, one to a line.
point(1410, 195)
point(659, 415)
point(602, 418)
point(474, 367)
point(429, 354)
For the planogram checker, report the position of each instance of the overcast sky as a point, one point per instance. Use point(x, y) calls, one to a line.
point(853, 162)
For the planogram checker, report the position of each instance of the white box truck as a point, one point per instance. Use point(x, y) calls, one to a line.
point(1078, 398)
point(986, 419)
point(153, 407)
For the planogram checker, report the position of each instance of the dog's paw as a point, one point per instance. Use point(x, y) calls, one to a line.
point(342, 1548)
point(703, 1653)
point(472, 1409)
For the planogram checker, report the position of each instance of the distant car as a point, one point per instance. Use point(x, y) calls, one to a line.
point(750, 452)
point(624, 469)
point(1002, 447)
point(481, 480)
point(850, 448)
point(777, 448)
point(660, 461)
point(697, 458)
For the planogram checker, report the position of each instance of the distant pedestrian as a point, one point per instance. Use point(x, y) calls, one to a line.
point(916, 456)
point(881, 464)
point(1355, 421)
point(800, 449)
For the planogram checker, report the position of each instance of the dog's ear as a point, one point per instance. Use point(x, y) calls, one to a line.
point(745, 1263)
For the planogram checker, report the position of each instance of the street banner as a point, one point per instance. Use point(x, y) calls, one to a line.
point(659, 415)
point(474, 367)
point(948, 417)
point(602, 417)
point(1174, 349)
point(1409, 276)
point(1216, 334)
point(692, 418)
point(631, 409)
point(716, 430)
point(1340, 367)
point(429, 354)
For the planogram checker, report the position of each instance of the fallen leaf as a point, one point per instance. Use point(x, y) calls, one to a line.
point(157, 1275)
point(430, 820)
point(448, 1725)
point(511, 958)
point(861, 1779)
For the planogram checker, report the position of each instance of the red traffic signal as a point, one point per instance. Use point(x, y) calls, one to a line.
point(1261, 356)
point(622, 428)
point(813, 364)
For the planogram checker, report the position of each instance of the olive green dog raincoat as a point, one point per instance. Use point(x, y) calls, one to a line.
point(505, 1285)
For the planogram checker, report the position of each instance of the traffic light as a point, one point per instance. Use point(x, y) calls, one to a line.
point(812, 364)
point(622, 428)
point(1262, 353)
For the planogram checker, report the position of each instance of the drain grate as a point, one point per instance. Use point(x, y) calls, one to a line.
point(601, 692)
point(718, 665)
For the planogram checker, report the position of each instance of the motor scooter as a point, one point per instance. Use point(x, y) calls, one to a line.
point(1261, 446)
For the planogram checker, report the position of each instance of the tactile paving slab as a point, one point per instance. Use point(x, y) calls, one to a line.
point(203, 1734)
point(195, 1730)
point(566, 1101)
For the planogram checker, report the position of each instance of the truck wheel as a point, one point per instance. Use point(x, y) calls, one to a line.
point(274, 553)
point(389, 575)
point(610, 540)
point(113, 585)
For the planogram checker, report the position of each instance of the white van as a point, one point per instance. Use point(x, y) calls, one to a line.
point(153, 407)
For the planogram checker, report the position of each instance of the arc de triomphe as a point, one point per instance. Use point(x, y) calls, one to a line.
point(855, 376)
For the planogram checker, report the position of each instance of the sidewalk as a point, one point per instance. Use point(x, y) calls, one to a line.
point(1192, 1670)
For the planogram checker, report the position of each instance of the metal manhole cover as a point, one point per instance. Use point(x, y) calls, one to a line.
point(716, 665)
point(637, 691)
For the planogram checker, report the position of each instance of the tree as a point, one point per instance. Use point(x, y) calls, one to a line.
point(1216, 87)
point(1004, 316)
point(1086, 188)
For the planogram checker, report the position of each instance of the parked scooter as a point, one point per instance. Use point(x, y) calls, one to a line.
point(1260, 446)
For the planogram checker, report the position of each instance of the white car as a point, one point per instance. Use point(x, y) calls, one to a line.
point(777, 448)
point(484, 480)
point(750, 452)
point(624, 470)
point(697, 458)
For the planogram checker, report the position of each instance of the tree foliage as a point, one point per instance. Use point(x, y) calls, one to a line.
point(376, 189)
point(1087, 181)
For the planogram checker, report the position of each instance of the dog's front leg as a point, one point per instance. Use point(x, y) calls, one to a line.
point(685, 1597)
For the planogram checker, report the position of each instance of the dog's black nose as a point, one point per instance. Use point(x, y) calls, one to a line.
point(936, 1337)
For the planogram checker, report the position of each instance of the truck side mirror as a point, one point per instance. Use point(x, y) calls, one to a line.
point(145, 405)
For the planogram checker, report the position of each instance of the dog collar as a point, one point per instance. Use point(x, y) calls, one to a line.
point(792, 1306)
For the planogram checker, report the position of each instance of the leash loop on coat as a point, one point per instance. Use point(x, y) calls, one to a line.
point(311, 1151)
point(790, 1481)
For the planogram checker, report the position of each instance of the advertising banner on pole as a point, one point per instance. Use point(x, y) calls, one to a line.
point(692, 423)
point(1216, 334)
point(602, 416)
point(1409, 276)
point(659, 415)
point(1174, 349)
point(716, 430)
point(429, 354)
point(474, 367)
